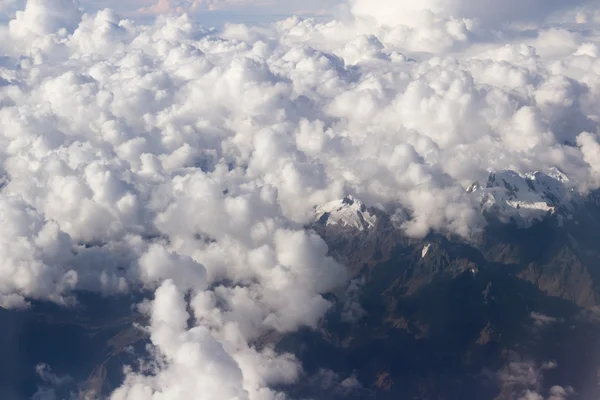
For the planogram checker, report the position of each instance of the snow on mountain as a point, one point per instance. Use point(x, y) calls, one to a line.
point(346, 212)
point(525, 198)
point(425, 250)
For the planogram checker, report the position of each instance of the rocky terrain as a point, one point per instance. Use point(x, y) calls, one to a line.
point(509, 314)
point(51, 352)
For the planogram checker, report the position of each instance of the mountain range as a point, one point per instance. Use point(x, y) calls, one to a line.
point(509, 313)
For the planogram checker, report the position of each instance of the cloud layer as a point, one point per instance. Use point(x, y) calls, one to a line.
point(487, 12)
point(185, 161)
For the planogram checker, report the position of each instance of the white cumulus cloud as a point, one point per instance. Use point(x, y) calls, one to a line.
point(186, 161)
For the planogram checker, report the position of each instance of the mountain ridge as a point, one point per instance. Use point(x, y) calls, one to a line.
point(445, 317)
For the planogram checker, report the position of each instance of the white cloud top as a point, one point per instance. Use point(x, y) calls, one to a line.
point(186, 161)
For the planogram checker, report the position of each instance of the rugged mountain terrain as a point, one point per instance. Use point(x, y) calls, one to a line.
point(51, 352)
point(510, 313)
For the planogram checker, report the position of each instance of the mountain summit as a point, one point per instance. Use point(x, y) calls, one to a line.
point(348, 211)
point(526, 198)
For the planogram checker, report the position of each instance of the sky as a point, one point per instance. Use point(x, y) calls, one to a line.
point(260, 10)
point(155, 153)
point(210, 12)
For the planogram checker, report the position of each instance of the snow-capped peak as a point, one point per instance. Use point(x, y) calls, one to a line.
point(348, 211)
point(525, 197)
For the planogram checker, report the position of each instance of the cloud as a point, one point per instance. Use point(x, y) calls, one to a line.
point(35, 256)
point(180, 6)
point(195, 361)
point(555, 393)
point(45, 17)
point(51, 383)
point(160, 7)
point(192, 361)
point(523, 380)
point(540, 319)
point(186, 161)
point(352, 310)
point(485, 11)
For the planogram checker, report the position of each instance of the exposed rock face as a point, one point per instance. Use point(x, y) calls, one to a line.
point(447, 319)
point(564, 276)
point(488, 335)
point(538, 226)
point(90, 345)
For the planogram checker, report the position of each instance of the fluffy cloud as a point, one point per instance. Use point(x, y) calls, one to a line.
point(186, 161)
point(44, 17)
point(51, 383)
point(523, 380)
point(35, 256)
point(409, 13)
point(555, 393)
